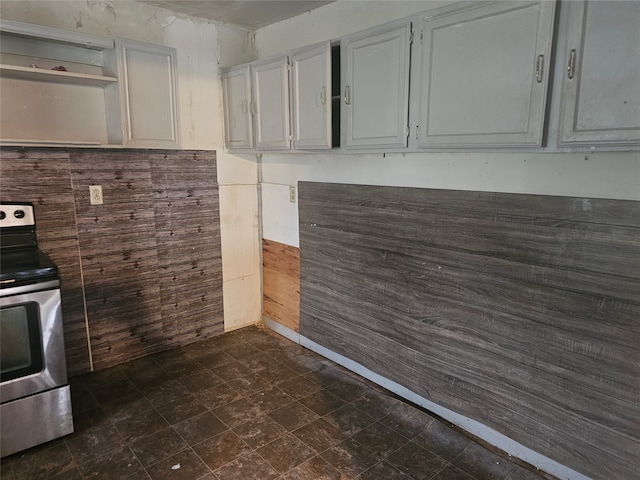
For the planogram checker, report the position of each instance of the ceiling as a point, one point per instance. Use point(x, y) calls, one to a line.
point(250, 14)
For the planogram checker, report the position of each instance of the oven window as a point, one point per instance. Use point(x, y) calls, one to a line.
point(20, 344)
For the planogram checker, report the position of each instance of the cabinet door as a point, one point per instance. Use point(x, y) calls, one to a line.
point(484, 75)
point(311, 97)
point(149, 94)
point(236, 94)
point(375, 76)
point(270, 83)
point(601, 91)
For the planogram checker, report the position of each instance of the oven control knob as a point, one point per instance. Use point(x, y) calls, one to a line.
point(2, 215)
point(18, 214)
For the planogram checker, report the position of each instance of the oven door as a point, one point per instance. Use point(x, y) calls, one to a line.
point(32, 341)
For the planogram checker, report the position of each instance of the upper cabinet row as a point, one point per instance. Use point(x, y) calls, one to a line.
point(473, 75)
point(262, 112)
point(67, 88)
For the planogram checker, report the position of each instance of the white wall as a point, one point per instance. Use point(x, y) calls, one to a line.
point(603, 174)
point(202, 47)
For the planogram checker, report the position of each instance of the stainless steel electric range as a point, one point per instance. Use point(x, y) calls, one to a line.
point(35, 402)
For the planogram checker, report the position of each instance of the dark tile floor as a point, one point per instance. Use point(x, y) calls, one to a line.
point(250, 405)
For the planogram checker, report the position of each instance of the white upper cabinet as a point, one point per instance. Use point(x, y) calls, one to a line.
point(256, 105)
point(470, 75)
point(375, 82)
point(270, 105)
point(238, 121)
point(483, 75)
point(61, 87)
point(311, 97)
point(149, 94)
point(601, 87)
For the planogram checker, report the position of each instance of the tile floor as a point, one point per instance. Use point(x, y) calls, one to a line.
point(250, 405)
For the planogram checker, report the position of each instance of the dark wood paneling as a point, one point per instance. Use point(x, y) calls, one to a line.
point(186, 210)
point(281, 283)
point(148, 259)
point(519, 311)
point(119, 254)
point(42, 177)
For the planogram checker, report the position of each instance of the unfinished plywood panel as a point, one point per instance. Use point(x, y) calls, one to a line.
point(281, 283)
point(42, 177)
point(518, 311)
point(186, 206)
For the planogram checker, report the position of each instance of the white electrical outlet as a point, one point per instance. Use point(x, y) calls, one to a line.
point(292, 194)
point(95, 194)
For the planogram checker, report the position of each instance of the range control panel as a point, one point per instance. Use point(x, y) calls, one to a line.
point(16, 215)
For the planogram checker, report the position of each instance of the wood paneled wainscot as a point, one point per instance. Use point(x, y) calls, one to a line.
point(281, 283)
point(43, 177)
point(142, 272)
point(518, 311)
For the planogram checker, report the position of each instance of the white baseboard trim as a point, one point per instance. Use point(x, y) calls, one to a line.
point(474, 427)
point(282, 330)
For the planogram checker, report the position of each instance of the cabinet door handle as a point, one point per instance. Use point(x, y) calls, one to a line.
point(540, 68)
point(323, 96)
point(254, 107)
point(572, 64)
point(347, 95)
point(244, 107)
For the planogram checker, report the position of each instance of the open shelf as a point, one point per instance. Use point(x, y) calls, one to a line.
point(30, 141)
point(54, 76)
point(101, 100)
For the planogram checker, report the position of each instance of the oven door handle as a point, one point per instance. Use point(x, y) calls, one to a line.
point(32, 287)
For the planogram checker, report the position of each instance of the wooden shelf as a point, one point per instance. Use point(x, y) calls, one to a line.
point(103, 98)
point(54, 76)
point(39, 142)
